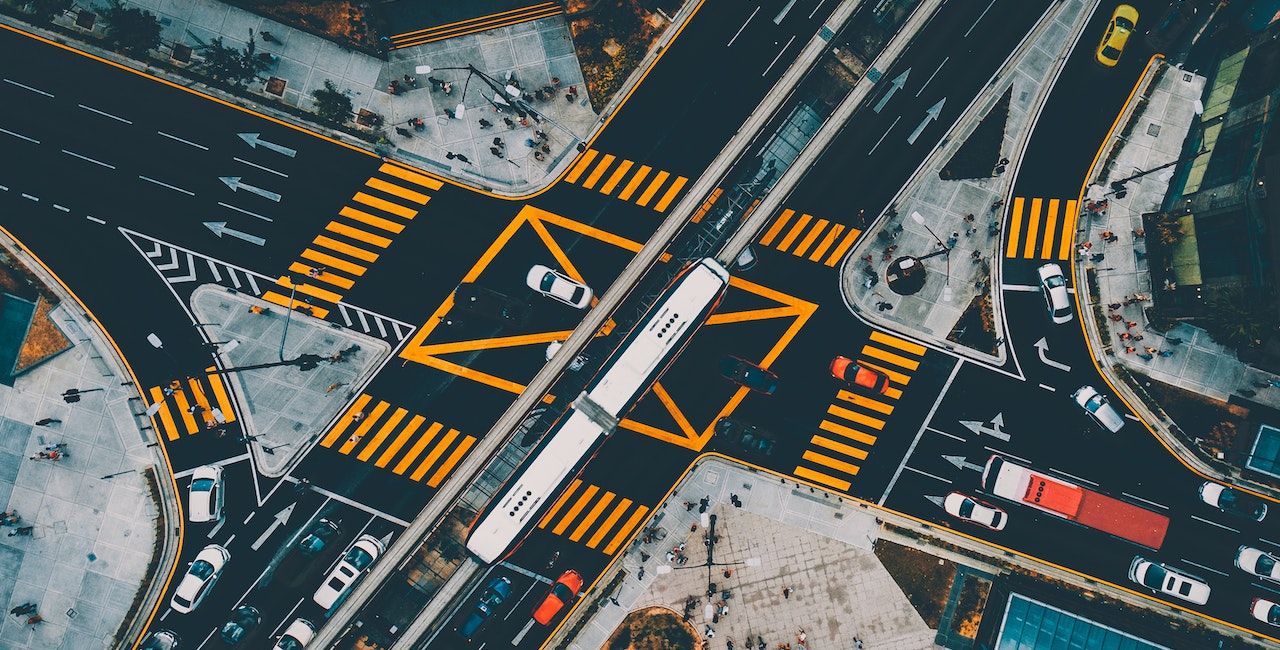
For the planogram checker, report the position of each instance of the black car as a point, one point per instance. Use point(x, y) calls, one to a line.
point(242, 622)
point(473, 299)
point(746, 437)
point(1233, 501)
point(318, 538)
point(744, 373)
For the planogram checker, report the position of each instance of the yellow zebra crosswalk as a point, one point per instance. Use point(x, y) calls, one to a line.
point(182, 401)
point(336, 258)
point(477, 24)
point(1041, 229)
point(592, 168)
point(589, 509)
point(817, 240)
point(379, 432)
point(853, 421)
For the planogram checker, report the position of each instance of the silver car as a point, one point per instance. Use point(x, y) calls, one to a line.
point(1258, 562)
point(1053, 284)
point(1162, 579)
point(1098, 408)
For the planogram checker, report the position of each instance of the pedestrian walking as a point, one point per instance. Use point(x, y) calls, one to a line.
point(403, 132)
point(435, 83)
point(511, 124)
point(256, 310)
point(44, 422)
point(709, 632)
point(1145, 356)
point(538, 155)
point(496, 152)
point(968, 218)
point(449, 113)
point(485, 124)
point(447, 88)
point(1247, 392)
point(462, 158)
point(955, 237)
point(357, 416)
point(786, 592)
point(1139, 233)
point(355, 438)
point(614, 600)
point(1116, 317)
point(1165, 353)
point(1130, 324)
point(497, 142)
point(541, 135)
point(1129, 349)
point(24, 531)
point(1114, 306)
point(884, 305)
point(1125, 336)
point(411, 81)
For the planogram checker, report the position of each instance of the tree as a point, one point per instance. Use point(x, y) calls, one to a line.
point(44, 11)
point(332, 105)
point(1237, 320)
point(133, 30)
point(229, 65)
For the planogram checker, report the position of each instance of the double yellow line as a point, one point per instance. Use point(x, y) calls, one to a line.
point(473, 25)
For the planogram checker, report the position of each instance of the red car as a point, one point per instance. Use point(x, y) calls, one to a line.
point(856, 374)
point(563, 591)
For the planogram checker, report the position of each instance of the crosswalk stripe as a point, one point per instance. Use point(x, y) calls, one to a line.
point(418, 445)
point(166, 419)
point(412, 177)
point(835, 231)
point(889, 357)
point(1050, 220)
point(546, 519)
point(839, 447)
point(626, 529)
point(616, 177)
point(189, 421)
point(591, 517)
point(370, 419)
point(434, 455)
point(1015, 227)
point(356, 234)
point(840, 250)
point(575, 509)
point(609, 521)
point(220, 394)
point(671, 193)
point(893, 393)
point(706, 205)
point(850, 433)
point(307, 288)
point(894, 376)
point(405, 434)
point(776, 228)
point(809, 238)
point(1068, 229)
point(648, 193)
point(366, 218)
point(594, 176)
point(332, 262)
point(1033, 224)
point(854, 416)
point(396, 190)
point(328, 276)
point(583, 163)
point(833, 463)
point(449, 463)
point(383, 431)
point(384, 205)
point(346, 248)
point(825, 479)
point(345, 421)
point(635, 182)
point(893, 341)
point(865, 402)
point(796, 229)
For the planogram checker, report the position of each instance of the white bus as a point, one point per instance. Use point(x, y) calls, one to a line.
point(645, 354)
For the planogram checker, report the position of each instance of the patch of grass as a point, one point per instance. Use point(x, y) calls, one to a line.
point(924, 578)
point(654, 628)
point(611, 40)
point(1198, 415)
point(345, 22)
point(44, 340)
point(970, 606)
point(976, 328)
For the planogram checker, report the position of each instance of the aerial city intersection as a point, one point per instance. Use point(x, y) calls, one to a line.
point(649, 323)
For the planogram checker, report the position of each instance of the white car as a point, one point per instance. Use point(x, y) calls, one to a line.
point(558, 286)
point(358, 559)
point(1098, 408)
point(205, 502)
point(202, 574)
point(1232, 501)
point(1265, 610)
point(1053, 284)
point(972, 510)
point(296, 636)
point(1162, 579)
point(1259, 563)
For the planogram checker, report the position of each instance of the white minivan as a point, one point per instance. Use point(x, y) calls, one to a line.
point(205, 502)
point(354, 564)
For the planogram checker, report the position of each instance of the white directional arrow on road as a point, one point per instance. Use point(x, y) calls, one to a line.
point(894, 86)
point(254, 139)
point(994, 428)
point(281, 518)
point(962, 463)
point(234, 183)
point(1042, 346)
point(929, 116)
point(220, 228)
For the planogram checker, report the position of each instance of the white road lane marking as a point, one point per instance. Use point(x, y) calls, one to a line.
point(61, 207)
point(104, 114)
point(1214, 523)
point(886, 134)
point(174, 137)
point(928, 416)
point(19, 135)
point(935, 73)
point(1146, 501)
point(265, 169)
point(975, 23)
point(935, 476)
point(252, 214)
point(744, 26)
point(30, 198)
point(26, 87)
point(1049, 388)
point(95, 219)
point(1007, 455)
point(164, 184)
point(780, 52)
point(1074, 477)
point(1197, 564)
point(944, 433)
point(88, 159)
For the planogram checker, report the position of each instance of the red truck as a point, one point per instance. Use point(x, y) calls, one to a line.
point(1069, 501)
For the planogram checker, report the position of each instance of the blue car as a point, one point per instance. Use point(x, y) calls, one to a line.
point(493, 596)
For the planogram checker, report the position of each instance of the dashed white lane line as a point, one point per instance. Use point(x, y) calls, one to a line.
point(88, 159)
point(30, 198)
point(1146, 501)
point(61, 207)
point(19, 135)
point(95, 219)
point(1073, 476)
point(1214, 523)
point(26, 87)
point(252, 214)
point(164, 184)
point(265, 169)
point(1049, 388)
point(174, 137)
point(933, 476)
point(104, 114)
point(780, 52)
point(1196, 564)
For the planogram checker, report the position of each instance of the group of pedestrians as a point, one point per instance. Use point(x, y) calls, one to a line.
point(12, 519)
point(54, 452)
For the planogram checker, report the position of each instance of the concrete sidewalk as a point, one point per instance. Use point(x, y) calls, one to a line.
point(787, 537)
point(94, 548)
point(945, 206)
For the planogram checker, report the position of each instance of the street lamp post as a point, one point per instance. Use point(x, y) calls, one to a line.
point(906, 275)
point(709, 523)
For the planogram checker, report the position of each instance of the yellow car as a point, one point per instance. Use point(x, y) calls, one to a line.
point(1123, 21)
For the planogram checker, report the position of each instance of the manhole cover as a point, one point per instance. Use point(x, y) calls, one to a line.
point(1153, 129)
